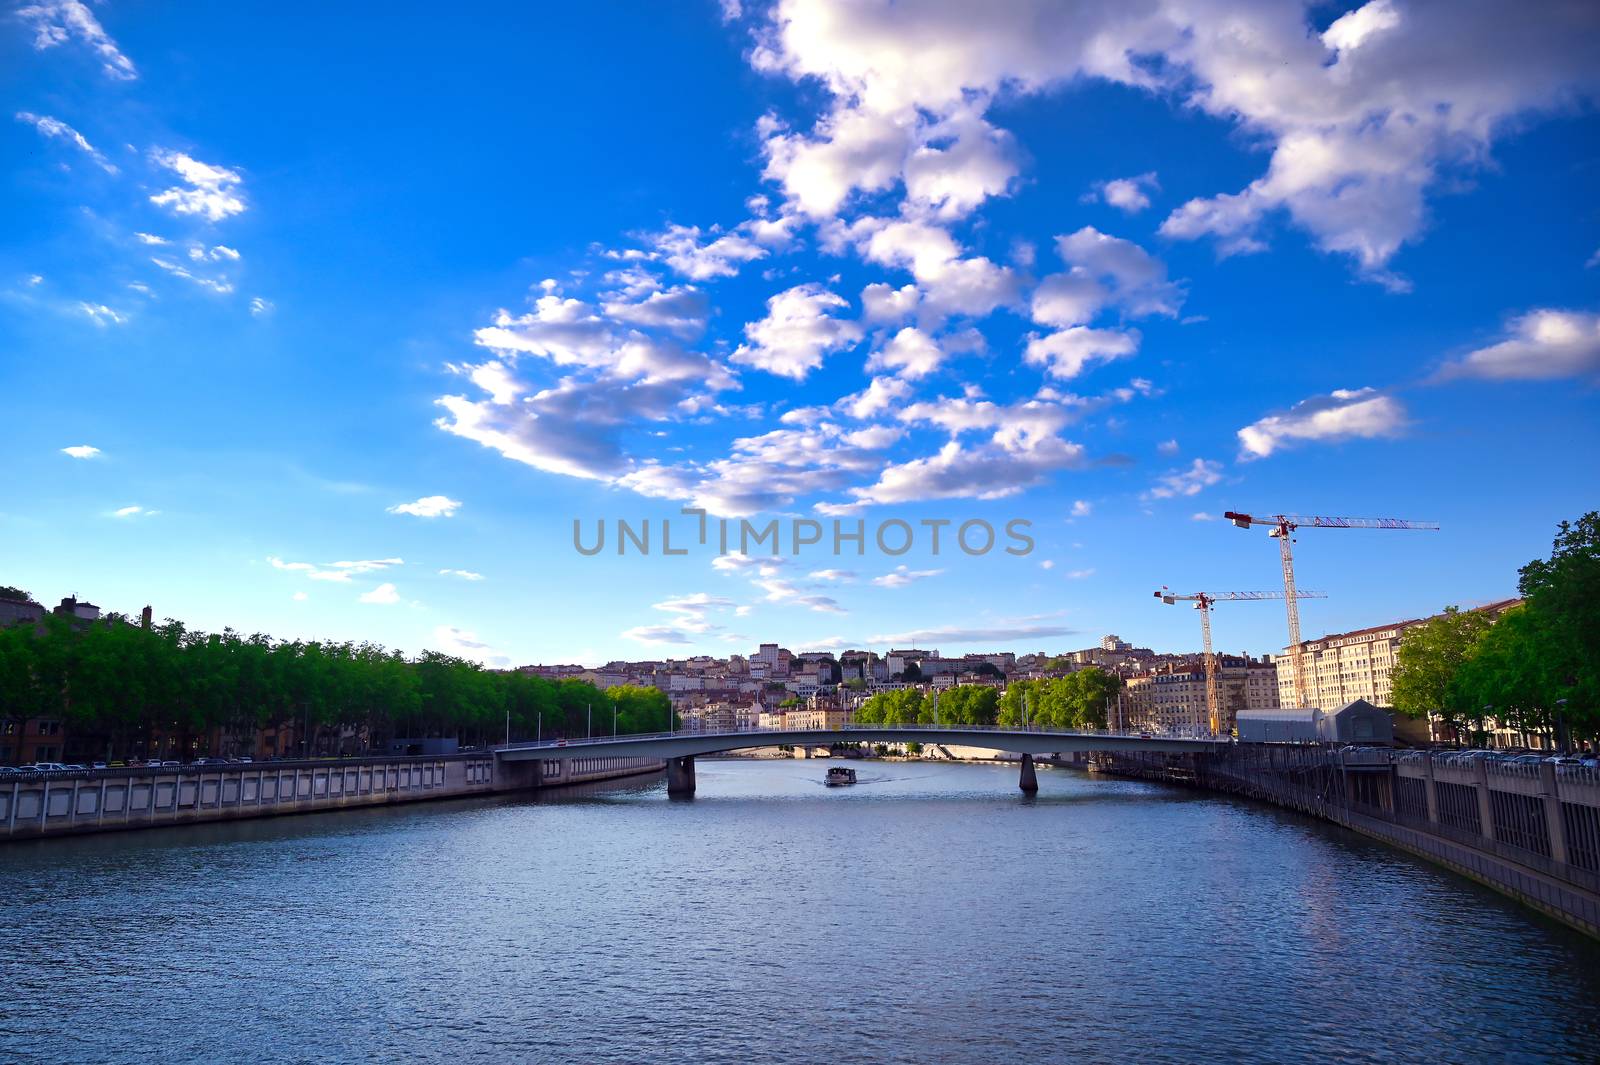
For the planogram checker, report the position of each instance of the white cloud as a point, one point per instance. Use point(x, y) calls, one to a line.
point(464, 574)
point(1361, 121)
point(212, 193)
point(461, 643)
point(1128, 194)
point(1082, 508)
point(902, 576)
point(56, 21)
point(911, 353)
point(299, 597)
point(151, 238)
point(1078, 574)
point(1067, 353)
point(1200, 475)
point(81, 451)
point(1104, 272)
point(1344, 414)
point(886, 305)
point(1168, 447)
point(1201, 515)
point(1048, 563)
point(880, 394)
point(958, 635)
point(995, 469)
point(101, 315)
point(950, 282)
point(219, 287)
point(53, 127)
point(132, 512)
point(697, 603)
point(1541, 345)
point(832, 575)
point(682, 310)
point(260, 307)
point(339, 572)
point(797, 332)
point(428, 507)
point(657, 634)
point(681, 248)
point(384, 594)
point(762, 566)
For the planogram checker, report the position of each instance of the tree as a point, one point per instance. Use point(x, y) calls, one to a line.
point(11, 591)
point(1563, 600)
point(1430, 657)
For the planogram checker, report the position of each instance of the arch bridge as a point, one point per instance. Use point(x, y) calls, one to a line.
point(678, 749)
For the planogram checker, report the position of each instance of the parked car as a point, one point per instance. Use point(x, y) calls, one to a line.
point(45, 767)
point(9, 771)
point(76, 768)
point(97, 765)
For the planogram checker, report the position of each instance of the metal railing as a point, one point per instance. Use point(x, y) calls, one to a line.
point(758, 730)
point(27, 776)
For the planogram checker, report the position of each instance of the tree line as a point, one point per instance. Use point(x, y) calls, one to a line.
point(1536, 667)
point(119, 688)
point(1077, 700)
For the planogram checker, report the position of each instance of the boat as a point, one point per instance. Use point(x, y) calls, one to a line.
point(839, 776)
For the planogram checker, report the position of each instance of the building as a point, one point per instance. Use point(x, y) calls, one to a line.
point(73, 608)
point(1173, 698)
point(13, 610)
point(1282, 725)
point(1356, 722)
point(1346, 666)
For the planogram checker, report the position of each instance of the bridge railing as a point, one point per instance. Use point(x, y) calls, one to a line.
point(758, 730)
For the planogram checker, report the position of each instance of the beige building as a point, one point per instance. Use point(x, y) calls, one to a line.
point(1346, 666)
point(1174, 697)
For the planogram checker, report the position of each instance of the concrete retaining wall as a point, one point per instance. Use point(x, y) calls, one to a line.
point(1531, 832)
point(112, 800)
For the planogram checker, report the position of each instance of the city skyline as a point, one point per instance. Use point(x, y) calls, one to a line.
point(346, 355)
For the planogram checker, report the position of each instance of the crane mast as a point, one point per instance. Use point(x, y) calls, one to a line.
point(1283, 527)
point(1203, 602)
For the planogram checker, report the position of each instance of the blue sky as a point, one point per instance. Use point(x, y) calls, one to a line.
point(1112, 272)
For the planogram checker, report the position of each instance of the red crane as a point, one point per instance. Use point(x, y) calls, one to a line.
point(1283, 526)
point(1203, 602)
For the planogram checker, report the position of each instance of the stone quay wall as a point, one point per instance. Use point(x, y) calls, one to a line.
point(62, 803)
point(1530, 831)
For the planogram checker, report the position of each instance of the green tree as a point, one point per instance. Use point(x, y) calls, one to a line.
point(1563, 600)
point(1427, 664)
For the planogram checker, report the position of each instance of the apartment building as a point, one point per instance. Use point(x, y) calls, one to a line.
point(1174, 697)
point(1346, 666)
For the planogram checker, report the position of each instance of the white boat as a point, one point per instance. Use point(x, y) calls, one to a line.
point(839, 776)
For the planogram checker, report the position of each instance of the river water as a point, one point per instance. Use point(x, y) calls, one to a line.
point(932, 913)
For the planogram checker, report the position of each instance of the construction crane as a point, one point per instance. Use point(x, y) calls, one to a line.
point(1283, 526)
point(1203, 602)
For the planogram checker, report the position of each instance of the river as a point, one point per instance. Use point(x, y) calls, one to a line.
point(931, 913)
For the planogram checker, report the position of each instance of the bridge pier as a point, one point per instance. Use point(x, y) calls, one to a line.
point(680, 775)
point(1030, 777)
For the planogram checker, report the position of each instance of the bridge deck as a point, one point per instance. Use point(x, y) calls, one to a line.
point(683, 744)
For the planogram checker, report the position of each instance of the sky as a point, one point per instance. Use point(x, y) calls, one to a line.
point(332, 326)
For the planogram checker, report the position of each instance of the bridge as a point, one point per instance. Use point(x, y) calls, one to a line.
point(678, 749)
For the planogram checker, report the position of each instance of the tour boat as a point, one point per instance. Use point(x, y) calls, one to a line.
point(839, 776)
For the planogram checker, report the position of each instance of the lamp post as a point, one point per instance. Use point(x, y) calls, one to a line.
point(1563, 737)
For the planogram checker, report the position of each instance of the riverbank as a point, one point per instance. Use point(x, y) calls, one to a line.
point(45, 805)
